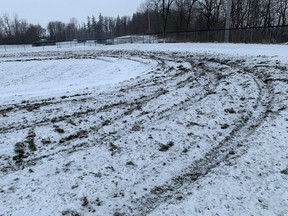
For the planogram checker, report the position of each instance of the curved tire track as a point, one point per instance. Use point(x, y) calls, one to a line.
point(134, 96)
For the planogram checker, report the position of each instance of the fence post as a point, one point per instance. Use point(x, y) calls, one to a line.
point(228, 21)
point(270, 35)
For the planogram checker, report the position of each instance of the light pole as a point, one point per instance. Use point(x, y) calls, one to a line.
point(149, 21)
point(228, 21)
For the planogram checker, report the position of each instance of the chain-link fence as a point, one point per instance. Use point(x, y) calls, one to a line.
point(268, 35)
point(23, 47)
point(273, 34)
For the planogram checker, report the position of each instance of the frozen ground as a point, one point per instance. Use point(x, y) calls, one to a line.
point(159, 129)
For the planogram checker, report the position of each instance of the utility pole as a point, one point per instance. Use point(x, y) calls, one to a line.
point(228, 21)
point(149, 21)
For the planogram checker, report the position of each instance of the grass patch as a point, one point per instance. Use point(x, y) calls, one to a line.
point(166, 147)
point(58, 129)
point(80, 134)
point(31, 141)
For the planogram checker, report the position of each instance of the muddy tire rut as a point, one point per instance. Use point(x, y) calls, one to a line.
point(177, 91)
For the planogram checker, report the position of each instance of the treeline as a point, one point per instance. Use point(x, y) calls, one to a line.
point(94, 28)
point(15, 31)
point(18, 31)
point(188, 15)
point(160, 16)
point(154, 16)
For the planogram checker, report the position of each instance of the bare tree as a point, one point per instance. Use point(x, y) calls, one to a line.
point(239, 13)
point(281, 10)
point(166, 6)
point(163, 7)
point(19, 28)
point(267, 12)
point(56, 30)
point(254, 15)
point(180, 7)
point(1, 28)
point(71, 29)
point(34, 33)
point(154, 7)
point(189, 10)
point(7, 25)
point(212, 11)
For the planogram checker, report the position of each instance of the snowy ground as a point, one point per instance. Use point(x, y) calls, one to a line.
point(159, 129)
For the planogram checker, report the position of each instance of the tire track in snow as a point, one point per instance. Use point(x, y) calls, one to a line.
point(172, 191)
point(151, 91)
point(127, 107)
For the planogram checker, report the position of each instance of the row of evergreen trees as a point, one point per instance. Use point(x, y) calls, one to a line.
point(101, 28)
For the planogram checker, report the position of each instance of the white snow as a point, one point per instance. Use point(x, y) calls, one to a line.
point(144, 129)
point(35, 78)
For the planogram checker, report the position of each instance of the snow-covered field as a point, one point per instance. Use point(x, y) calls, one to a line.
point(155, 129)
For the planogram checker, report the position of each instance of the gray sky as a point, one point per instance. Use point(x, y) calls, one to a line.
point(41, 12)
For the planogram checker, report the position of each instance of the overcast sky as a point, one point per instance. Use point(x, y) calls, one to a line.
point(41, 12)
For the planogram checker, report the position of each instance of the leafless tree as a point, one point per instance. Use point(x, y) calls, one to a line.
point(163, 7)
point(1, 28)
point(185, 9)
point(7, 25)
point(166, 6)
point(281, 10)
point(71, 29)
point(239, 13)
point(56, 30)
point(212, 10)
point(268, 13)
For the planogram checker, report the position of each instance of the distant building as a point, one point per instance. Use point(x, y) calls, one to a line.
point(43, 42)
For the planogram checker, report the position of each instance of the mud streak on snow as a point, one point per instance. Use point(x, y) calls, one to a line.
point(128, 149)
